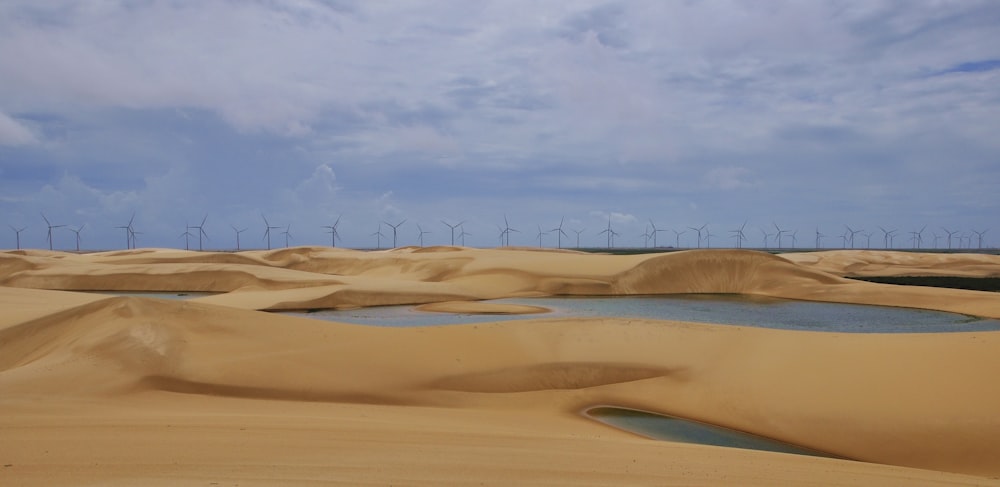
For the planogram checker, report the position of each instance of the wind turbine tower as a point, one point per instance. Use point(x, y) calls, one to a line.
point(17, 233)
point(394, 228)
point(739, 235)
point(853, 233)
point(780, 231)
point(129, 232)
point(420, 236)
point(267, 230)
point(559, 232)
point(201, 232)
point(238, 232)
point(333, 232)
point(611, 233)
point(979, 236)
point(288, 234)
point(77, 232)
point(462, 233)
point(378, 237)
point(950, 233)
point(677, 237)
point(51, 226)
point(453, 227)
point(507, 229)
point(187, 236)
point(578, 232)
point(655, 231)
point(540, 233)
point(699, 233)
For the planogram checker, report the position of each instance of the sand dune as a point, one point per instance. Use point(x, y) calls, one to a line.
point(125, 390)
point(865, 263)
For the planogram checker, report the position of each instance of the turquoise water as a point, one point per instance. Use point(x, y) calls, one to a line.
point(669, 428)
point(706, 308)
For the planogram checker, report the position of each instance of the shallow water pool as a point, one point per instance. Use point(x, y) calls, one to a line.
point(669, 428)
point(723, 309)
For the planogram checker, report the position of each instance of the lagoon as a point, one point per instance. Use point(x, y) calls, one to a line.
point(669, 428)
point(740, 310)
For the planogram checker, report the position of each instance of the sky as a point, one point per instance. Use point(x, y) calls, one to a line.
point(810, 116)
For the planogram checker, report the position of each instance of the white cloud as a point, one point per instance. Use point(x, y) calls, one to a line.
point(729, 177)
point(14, 133)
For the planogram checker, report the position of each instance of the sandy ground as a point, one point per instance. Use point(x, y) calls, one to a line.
point(103, 390)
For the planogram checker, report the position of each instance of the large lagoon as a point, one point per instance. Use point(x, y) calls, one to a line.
point(740, 310)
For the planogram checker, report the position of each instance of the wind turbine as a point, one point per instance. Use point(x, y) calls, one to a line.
point(201, 231)
point(853, 233)
point(453, 227)
point(421, 235)
point(645, 236)
point(655, 231)
point(780, 231)
point(378, 237)
point(187, 236)
point(238, 232)
point(708, 238)
point(559, 232)
point(699, 233)
point(287, 233)
point(950, 233)
point(77, 232)
point(818, 237)
point(333, 232)
point(936, 238)
point(980, 236)
point(17, 233)
point(129, 232)
point(462, 233)
point(51, 226)
point(738, 235)
point(868, 235)
point(507, 229)
point(611, 233)
point(765, 235)
point(540, 233)
point(885, 236)
point(134, 233)
point(677, 237)
point(578, 232)
point(920, 236)
point(394, 227)
point(795, 238)
point(267, 230)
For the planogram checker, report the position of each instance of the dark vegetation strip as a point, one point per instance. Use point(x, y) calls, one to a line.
point(953, 282)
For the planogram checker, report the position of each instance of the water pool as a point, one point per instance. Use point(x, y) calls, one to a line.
point(724, 309)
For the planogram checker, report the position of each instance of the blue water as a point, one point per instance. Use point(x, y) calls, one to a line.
point(669, 428)
point(724, 309)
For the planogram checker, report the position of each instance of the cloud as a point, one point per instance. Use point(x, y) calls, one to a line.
point(729, 177)
point(14, 133)
point(669, 110)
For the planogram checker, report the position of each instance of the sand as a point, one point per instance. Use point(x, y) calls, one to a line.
point(105, 390)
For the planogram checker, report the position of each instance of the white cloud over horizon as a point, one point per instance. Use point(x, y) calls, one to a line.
point(809, 113)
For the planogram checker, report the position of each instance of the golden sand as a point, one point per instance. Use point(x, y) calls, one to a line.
point(102, 390)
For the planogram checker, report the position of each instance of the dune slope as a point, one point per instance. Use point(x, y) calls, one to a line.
point(128, 389)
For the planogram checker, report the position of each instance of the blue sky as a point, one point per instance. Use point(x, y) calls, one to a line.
point(805, 114)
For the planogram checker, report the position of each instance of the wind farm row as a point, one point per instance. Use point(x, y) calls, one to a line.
point(404, 232)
